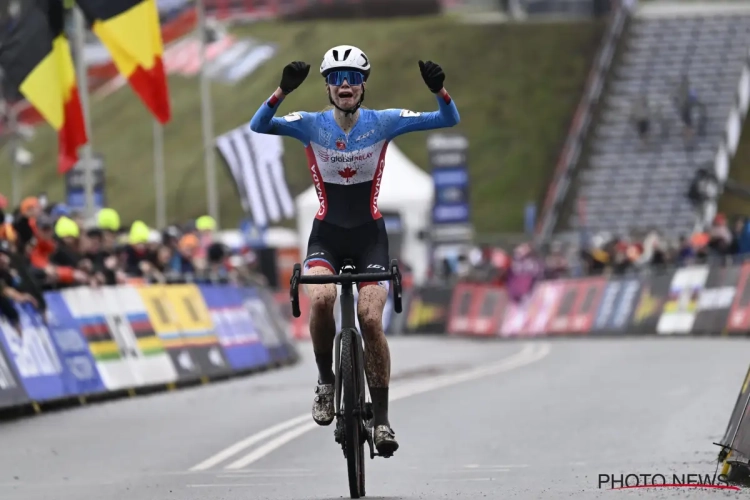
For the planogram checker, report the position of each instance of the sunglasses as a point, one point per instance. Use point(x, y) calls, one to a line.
point(336, 78)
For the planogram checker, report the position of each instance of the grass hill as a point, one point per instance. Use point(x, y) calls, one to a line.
point(516, 87)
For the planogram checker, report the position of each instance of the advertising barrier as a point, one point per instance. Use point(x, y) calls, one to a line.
point(531, 316)
point(577, 304)
point(488, 308)
point(694, 300)
point(716, 298)
point(427, 309)
point(234, 327)
point(108, 339)
point(11, 391)
point(269, 323)
point(681, 306)
point(74, 350)
point(650, 304)
point(462, 302)
point(35, 357)
point(617, 305)
point(739, 313)
point(300, 327)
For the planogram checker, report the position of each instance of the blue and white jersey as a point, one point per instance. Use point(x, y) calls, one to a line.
point(346, 169)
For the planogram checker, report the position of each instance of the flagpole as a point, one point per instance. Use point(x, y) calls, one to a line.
point(207, 119)
point(86, 156)
point(11, 115)
point(159, 187)
point(16, 179)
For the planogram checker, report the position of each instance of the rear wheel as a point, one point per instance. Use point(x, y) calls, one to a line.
point(353, 404)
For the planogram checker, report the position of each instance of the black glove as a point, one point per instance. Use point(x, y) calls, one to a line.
point(293, 76)
point(433, 75)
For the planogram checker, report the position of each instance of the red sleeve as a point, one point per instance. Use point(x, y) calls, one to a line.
point(65, 274)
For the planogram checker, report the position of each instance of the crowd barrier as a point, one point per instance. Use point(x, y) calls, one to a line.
point(100, 341)
point(697, 299)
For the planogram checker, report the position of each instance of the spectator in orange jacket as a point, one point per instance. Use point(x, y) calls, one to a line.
point(42, 246)
point(54, 251)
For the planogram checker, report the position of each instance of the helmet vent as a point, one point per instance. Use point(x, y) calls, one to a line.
point(335, 55)
point(346, 54)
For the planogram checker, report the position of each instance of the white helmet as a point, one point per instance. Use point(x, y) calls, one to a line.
point(345, 57)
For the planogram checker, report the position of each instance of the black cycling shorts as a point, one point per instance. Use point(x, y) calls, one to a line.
point(365, 245)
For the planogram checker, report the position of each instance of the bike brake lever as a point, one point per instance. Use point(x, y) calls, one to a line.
point(397, 305)
point(294, 291)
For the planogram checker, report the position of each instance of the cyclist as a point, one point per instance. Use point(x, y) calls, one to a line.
point(346, 154)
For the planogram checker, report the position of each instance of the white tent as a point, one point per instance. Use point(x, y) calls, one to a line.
point(274, 237)
point(405, 189)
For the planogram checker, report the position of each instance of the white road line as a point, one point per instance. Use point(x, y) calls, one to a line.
point(482, 467)
point(529, 354)
point(248, 442)
point(268, 471)
point(486, 471)
point(519, 466)
point(229, 485)
point(462, 480)
point(263, 476)
point(267, 448)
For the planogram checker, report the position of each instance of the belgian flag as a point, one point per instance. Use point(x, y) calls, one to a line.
point(131, 32)
point(35, 59)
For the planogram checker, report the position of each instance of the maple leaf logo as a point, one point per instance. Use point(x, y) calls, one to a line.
point(347, 173)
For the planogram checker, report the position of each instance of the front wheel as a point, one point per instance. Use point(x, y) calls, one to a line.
point(353, 400)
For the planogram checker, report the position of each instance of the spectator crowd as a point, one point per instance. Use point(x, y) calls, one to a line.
point(51, 247)
point(604, 254)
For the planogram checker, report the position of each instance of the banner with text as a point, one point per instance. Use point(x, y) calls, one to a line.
point(692, 300)
point(113, 338)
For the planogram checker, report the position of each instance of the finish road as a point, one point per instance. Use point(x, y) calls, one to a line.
point(475, 419)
